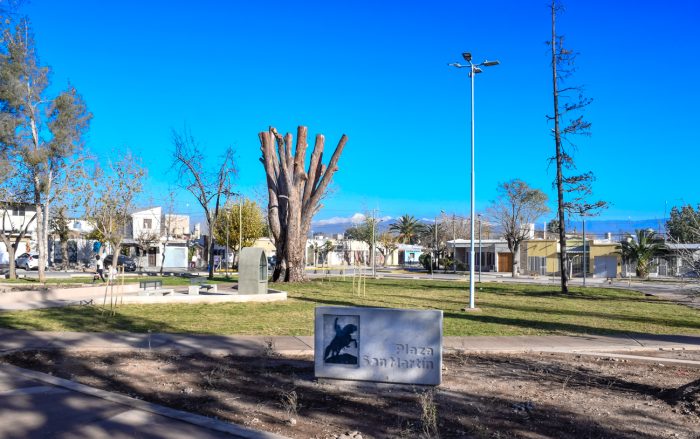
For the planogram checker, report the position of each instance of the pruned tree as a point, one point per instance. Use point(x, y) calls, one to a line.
point(111, 198)
point(209, 185)
point(569, 102)
point(294, 195)
point(516, 207)
point(46, 133)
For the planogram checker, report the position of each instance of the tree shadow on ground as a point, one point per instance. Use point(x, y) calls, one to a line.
point(668, 321)
point(77, 318)
point(258, 383)
point(549, 326)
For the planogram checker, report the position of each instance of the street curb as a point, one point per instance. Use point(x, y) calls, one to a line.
point(190, 418)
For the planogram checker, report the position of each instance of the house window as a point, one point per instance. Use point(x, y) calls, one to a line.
point(18, 211)
point(147, 223)
point(537, 264)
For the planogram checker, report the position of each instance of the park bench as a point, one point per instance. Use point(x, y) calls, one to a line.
point(150, 284)
point(153, 288)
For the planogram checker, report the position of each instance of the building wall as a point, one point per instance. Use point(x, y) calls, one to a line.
point(177, 225)
point(545, 248)
point(550, 250)
point(140, 218)
point(15, 219)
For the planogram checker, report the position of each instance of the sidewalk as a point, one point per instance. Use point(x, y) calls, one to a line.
point(11, 340)
point(38, 405)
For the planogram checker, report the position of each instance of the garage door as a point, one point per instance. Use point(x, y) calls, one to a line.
point(605, 266)
point(505, 262)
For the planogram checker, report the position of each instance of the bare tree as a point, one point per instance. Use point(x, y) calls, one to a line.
point(112, 198)
point(294, 195)
point(517, 206)
point(169, 222)
point(209, 188)
point(569, 102)
point(145, 240)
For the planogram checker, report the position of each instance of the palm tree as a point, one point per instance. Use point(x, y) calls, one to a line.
point(408, 229)
point(642, 248)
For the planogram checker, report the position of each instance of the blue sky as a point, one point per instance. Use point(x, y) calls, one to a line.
point(378, 72)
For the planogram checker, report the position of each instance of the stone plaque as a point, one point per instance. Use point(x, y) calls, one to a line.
point(378, 344)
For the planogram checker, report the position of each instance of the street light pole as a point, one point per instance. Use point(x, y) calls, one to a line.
point(473, 70)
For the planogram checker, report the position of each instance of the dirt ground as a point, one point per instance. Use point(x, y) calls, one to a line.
point(482, 396)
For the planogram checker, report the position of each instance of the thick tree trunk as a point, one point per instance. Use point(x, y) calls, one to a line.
point(64, 254)
point(40, 234)
point(11, 252)
point(294, 195)
point(515, 272)
point(210, 252)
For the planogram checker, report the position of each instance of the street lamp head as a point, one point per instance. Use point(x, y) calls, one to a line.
point(467, 56)
point(477, 70)
point(490, 63)
point(456, 64)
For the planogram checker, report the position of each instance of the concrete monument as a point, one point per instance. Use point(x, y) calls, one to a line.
point(252, 271)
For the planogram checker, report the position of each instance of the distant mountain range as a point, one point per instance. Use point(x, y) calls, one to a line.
point(594, 227)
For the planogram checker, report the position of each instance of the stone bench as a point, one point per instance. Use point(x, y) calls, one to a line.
point(197, 288)
point(157, 292)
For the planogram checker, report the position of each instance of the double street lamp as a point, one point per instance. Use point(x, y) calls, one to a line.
point(473, 70)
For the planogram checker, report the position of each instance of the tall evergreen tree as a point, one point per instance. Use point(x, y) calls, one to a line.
point(46, 133)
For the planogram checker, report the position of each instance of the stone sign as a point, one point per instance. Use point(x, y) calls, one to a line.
point(252, 271)
point(378, 344)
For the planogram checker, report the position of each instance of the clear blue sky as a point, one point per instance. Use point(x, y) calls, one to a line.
point(378, 72)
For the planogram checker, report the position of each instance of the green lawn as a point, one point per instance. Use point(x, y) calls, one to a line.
point(506, 309)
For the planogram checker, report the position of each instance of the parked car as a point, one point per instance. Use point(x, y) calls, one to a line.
point(271, 262)
point(28, 261)
point(125, 261)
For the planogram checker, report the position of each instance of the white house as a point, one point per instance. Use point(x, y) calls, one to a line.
point(21, 216)
point(153, 234)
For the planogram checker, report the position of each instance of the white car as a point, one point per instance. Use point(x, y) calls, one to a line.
point(28, 261)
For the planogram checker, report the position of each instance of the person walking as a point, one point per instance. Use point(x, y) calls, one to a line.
point(99, 265)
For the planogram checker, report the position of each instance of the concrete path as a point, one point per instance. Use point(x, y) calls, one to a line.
point(37, 405)
point(11, 340)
